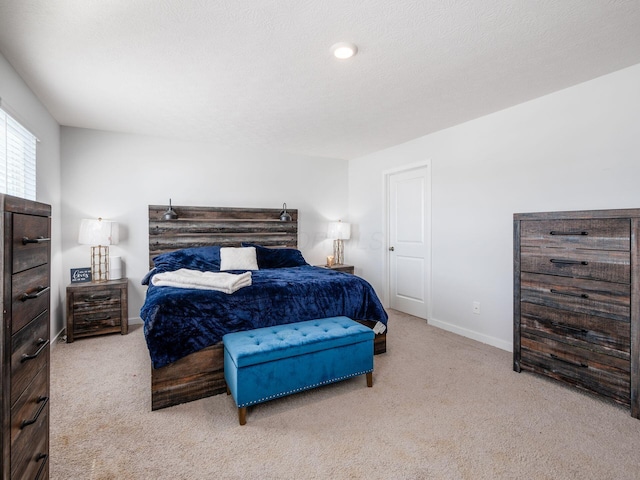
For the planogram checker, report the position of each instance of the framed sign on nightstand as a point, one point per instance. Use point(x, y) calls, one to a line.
point(81, 275)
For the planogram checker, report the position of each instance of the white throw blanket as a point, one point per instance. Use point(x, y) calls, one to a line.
point(220, 281)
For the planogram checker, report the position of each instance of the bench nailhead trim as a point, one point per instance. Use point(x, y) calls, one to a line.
point(296, 390)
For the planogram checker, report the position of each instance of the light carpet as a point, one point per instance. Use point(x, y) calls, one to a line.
point(442, 407)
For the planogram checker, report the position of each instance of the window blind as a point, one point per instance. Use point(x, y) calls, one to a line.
point(17, 158)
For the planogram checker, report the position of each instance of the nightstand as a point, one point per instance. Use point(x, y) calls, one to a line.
point(341, 268)
point(97, 308)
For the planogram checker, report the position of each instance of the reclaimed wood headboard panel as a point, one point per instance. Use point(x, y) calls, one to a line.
point(227, 227)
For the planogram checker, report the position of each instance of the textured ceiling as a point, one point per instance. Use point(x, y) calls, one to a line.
point(260, 73)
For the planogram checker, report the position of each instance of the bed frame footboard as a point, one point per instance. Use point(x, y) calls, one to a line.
point(196, 376)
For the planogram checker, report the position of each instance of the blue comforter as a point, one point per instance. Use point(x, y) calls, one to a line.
point(178, 321)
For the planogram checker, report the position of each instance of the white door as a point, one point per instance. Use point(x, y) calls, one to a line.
point(408, 247)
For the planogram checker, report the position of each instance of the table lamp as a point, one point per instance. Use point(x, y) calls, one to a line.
point(99, 234)
point(339, 231)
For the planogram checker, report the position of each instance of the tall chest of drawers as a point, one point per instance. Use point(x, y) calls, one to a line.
point(26, 251)
point(576, 300)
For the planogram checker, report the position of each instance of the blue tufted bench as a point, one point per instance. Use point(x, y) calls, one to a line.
point(271, 362)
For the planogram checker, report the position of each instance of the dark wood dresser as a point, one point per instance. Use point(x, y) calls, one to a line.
point(577, 300)
point(26, 251)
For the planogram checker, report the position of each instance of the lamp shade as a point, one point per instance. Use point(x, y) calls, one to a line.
point(339, 231)
point(98, 232)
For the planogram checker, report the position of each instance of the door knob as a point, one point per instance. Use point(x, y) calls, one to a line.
point(392, 249)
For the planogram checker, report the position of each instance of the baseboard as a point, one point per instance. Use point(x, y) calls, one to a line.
point(59, 337)
point(465, 332)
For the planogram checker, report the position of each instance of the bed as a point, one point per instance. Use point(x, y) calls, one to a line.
point(184, 326)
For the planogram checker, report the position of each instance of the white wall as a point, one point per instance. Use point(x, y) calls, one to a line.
point(574, 149)
point(117, 176)
point(21, 103)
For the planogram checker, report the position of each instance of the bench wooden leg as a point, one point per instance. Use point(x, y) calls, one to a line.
point(242, 415)
point(370, 379)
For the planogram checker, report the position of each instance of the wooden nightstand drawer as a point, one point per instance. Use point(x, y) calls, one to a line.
point(98, 321)
point(97, 309)
point(97, 299)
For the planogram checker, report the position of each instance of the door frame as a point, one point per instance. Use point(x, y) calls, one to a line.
point(386, 175)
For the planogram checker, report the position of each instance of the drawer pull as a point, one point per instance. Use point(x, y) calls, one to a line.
point(569, 294)
point(43, 403)
point(40, 290)
point(555, 232)
point(574, 364)
point(569, 327)
point(568, 262)
point(40, 457)
point(43, 344)
point(98, 298)
point(100, 318)
point(26, 240)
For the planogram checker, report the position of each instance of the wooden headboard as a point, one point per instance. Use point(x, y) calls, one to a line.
point(227, 227)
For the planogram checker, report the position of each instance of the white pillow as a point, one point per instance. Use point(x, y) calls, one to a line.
point(240, 258)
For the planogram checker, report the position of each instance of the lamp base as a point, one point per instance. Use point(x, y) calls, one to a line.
point(338, 251)
point(99, 263)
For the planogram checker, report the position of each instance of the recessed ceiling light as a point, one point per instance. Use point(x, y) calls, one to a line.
point(344, 50)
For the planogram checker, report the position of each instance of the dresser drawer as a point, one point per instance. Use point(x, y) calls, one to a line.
point(31, 243)
point(609, 300)
point(43, 470)
point(30, 295)
point(604, 335)
point(603, 374)
point(33, 462)
point(29, 426)
point(593, 234)
point(610, 266)
point(30, 352)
